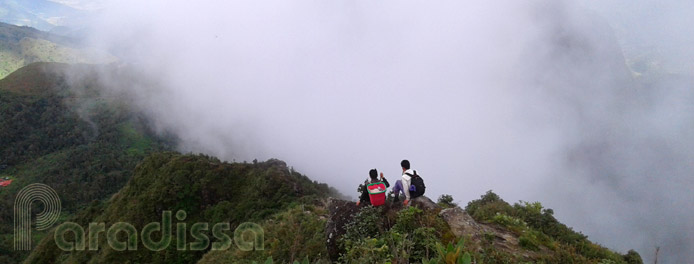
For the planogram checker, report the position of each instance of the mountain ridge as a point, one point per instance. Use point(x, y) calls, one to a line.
point(108, 166)
point(20, 46)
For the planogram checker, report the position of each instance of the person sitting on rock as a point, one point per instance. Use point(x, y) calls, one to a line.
point(408, 175)
point(373, 178)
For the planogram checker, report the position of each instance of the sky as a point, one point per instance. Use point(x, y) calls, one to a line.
point(88, 5)
point(585, 107)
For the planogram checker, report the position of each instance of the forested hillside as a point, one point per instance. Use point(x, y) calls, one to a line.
point(67, 135)
point(206, 189)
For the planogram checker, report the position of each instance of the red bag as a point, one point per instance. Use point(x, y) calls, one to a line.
point(377, 193)
point(4, 183)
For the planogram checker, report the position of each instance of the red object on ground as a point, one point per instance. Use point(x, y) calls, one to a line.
point(377, 193)
point(5, 183)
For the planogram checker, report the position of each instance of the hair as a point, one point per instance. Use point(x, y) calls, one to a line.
point(405, 164)
point(373, 173)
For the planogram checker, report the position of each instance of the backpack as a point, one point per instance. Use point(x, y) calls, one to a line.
point(377, 193)
point(418, 183)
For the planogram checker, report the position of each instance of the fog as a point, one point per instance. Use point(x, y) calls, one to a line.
point(532, 99)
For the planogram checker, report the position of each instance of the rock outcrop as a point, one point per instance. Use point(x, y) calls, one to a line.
point(464, 226)
point(461, 223)
point(424, 203)
point(341, 213)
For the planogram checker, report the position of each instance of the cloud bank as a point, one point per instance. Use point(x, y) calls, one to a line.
point(532, 99)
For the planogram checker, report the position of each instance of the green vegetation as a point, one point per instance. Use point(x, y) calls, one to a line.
point(446, 201)
point(296, 234)
point(83, 146)
point(107, 166)
point(210, 191)
point(451, 254)
point(412, 236)
point(538, 229)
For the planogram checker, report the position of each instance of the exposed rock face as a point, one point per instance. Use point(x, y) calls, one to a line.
point(424, 203)
point(460, 222)
point(341, 213)
point(463, 225)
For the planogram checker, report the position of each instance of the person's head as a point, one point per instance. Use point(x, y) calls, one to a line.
point(405, 164)
point(373, 173)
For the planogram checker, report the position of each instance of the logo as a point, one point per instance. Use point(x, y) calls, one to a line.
point(123, 236)
point(23, 204)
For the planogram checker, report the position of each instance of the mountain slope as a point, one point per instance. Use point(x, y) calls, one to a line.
point(68, 135)
point(21, 46)
point(206, 189)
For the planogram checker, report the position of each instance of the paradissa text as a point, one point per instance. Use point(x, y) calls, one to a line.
point(123, 236)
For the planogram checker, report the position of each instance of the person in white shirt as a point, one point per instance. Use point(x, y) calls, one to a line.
point(403, 185)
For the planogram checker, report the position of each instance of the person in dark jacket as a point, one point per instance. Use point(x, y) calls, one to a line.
point(373, 178)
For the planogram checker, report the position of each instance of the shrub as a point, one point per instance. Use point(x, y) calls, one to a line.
point(485, 208)
point(367, 223)
point(412, 237)
point(446, 201)
point(407, 220)
point(633, 257)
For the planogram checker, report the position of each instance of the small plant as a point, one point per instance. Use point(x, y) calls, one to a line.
point(401, 246)
point(305, 261)
point(451, 254)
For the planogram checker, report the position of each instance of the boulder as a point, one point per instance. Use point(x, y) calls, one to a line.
point(460, 222)
point(424, 203)
point(341, 212)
